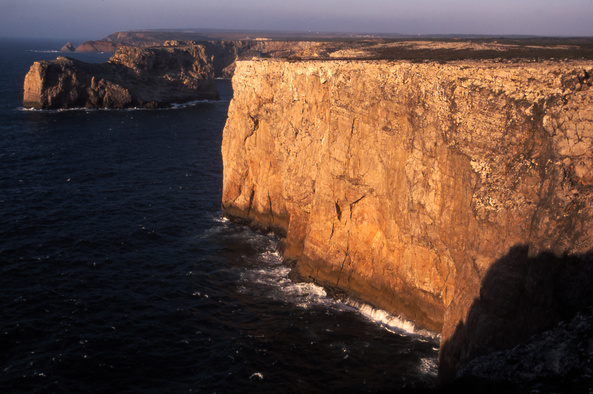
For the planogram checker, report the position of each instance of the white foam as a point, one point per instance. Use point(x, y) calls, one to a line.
point(222, 224)
point(42, 51)
point(272, 278)
point(428, 366)
point(305, 295)
point(257, 376)
point(391, 322)
point(58, 110)
point(192, 103)
point(221, 219)
point(270, 274)
point(271, 257)
point(173, 106)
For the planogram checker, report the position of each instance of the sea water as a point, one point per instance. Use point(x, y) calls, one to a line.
point(118, 272)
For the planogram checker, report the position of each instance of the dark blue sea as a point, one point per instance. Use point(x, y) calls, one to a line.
point(119, 274)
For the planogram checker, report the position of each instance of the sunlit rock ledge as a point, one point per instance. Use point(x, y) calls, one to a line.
point(457, 195)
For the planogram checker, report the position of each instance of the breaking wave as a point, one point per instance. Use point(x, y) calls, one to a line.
point(391, 322)
point(269, 274)
point(43, 51)
point(170, 107)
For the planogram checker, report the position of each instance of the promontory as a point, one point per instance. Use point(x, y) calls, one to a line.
point(449, 182)
point(457, 193)
point(133, 77)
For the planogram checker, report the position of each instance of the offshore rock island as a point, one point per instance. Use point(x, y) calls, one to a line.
point(446, 181)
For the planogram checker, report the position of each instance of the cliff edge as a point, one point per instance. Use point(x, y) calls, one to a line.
point(457, 195)
point(133, 77)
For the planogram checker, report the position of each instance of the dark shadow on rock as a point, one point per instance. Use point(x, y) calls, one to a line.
point(520, 297)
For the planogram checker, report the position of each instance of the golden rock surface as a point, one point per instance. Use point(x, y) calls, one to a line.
point(403, 183)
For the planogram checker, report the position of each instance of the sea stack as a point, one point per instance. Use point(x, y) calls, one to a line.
point(68, 47)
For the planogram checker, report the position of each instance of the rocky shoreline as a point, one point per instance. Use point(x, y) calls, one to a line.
point(445, 181)
point(559, 360)
point(133, 77)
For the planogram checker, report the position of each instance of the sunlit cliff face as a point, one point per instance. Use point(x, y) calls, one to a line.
point(404, 184)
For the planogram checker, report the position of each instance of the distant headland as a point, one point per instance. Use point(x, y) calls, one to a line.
point(376, 46)
point(130, 80)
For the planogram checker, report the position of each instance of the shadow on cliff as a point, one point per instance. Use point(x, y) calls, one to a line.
point(520, 296)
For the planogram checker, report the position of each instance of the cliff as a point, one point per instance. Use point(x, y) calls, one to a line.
point(137, 76)
point(97, 46)
point(458, 195)
point(555, 361)
point(133, 77)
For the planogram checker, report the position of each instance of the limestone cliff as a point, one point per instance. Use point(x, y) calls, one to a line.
point(138, 76)
point(133, 77)
point(458, 195)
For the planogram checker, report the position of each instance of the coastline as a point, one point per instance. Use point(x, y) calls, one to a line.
point(477, 175)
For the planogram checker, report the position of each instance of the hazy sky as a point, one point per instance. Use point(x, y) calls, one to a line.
point(94, 19)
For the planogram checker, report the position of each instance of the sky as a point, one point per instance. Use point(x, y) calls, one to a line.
point(95, 19)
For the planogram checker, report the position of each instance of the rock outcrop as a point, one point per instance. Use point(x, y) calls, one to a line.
point(97, 46)
point(68, 47)
point(458, 195)
point(133, 77)
point(559, 360)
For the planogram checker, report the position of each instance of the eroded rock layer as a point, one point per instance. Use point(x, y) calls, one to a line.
point(457, 195)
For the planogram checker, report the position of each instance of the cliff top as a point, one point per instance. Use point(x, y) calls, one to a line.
point(454, 49)
point(360, 46)
point(443, 50)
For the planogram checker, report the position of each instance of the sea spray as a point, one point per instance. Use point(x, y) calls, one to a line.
point(273, 274)
point(391, 322)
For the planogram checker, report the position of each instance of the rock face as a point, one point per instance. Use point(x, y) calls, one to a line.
point(457, 195)
point(559, 360)
point(133, 77)
point(97, 46)
point(68, 47)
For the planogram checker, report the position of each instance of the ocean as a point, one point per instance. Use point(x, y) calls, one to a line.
point(118, 272)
